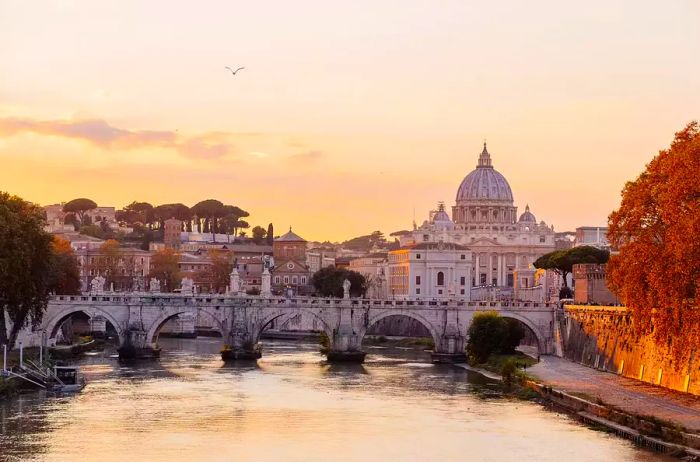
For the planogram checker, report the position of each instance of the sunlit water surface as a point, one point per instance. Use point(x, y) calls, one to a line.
point(292, 406)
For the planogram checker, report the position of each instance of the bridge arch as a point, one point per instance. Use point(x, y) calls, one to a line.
point(167, 315)
point(285, 315)
point(52, 324)
point(375, 318)
point(530, 326)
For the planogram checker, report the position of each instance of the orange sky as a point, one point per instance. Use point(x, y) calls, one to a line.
point(347, 116)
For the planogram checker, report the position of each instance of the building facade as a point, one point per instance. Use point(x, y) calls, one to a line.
point(430, 270)
point(485, 219)
point(290, 275)
point(590, 285)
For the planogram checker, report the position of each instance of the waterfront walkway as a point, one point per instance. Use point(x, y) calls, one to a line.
point(624, 393)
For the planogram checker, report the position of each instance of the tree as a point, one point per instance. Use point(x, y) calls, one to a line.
point(165, 268)
point(490, 333)
point(70, 219)
point(167, 211)
point(137, 212)
point(562, 261)
point(108, 263)
point(270, 234)
point(79, 207)
point(218, 274)
point(92, 231)
point(486, 334)
point(65, 278)
point(657, 270)
point(514, 333)
point(25, 266)
point(258, 233)
point(328, 282)
point(365, 243)
point(209, 210)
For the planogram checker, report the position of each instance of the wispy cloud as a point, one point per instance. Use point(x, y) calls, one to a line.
point(307, 156)
point(105, 136)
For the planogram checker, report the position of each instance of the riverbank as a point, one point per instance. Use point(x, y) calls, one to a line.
point(665, 424)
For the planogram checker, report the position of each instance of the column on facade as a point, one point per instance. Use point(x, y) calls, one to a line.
point(499, 269)
point(489, 269)
point(477, 276)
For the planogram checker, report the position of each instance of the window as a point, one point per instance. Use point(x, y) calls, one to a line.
point(441, 278)
point(294, 280)
point(542, 239)
point(417, 280)
point(286, 279)
point(440, 292)
point(426, 237)
point(417, 256)
point(462, 281)
point(461, 292)
point(290, 265)
point(462, 257)
point(277, 280)
point(303, 279)
point(418, 291)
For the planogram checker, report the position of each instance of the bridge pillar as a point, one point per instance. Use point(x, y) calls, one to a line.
point(98, 326)
point(241, 343)
point(450, 347)
point(135, 344)
point(345, 344)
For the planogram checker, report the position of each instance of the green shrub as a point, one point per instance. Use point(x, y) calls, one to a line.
point(490, 334)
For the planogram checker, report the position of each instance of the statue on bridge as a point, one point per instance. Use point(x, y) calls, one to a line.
point(187, 286)
point(346, 288)
point(154, 286)
point(235, 280)
point(97, 285)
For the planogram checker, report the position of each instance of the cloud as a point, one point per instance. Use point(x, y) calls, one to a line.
point(307, 156)
point(95, 131)
point(105, 136)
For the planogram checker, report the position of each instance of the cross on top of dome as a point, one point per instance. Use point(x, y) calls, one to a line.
point(484, 158)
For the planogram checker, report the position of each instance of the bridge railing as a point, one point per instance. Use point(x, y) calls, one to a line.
point(162, 299)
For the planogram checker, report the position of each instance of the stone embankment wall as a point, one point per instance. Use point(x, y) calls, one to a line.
point(601, 337)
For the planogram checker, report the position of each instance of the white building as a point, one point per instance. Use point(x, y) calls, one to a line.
point(374, 267)
point(485, 219)
point(430, 270)
point(596, 236)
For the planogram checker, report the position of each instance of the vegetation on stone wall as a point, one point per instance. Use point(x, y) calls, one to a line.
point(657, 271)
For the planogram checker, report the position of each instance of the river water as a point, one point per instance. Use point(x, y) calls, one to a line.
point(292, 406)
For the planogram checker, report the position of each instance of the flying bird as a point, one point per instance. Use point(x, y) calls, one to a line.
point(234, 72)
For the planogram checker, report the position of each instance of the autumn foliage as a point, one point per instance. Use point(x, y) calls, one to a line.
point(657, 232)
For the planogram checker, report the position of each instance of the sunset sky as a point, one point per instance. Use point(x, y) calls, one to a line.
point(348, 115)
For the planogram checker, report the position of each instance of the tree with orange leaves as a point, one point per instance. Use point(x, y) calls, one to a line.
point(657, 231)
point(66, 274)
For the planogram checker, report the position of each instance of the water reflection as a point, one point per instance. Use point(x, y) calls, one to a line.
point(291, 406)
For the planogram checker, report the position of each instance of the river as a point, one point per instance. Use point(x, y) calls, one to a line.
point(292, 406)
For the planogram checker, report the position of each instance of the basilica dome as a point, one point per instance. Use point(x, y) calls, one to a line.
point(484, 184)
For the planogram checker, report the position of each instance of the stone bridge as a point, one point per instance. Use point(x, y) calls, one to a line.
point(138, 318)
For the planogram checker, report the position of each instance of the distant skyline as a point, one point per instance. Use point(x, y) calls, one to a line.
point(348, 116)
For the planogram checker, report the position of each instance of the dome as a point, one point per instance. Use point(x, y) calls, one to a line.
point(440, 215)
point(441, 219)
point(527, 217)
point(484, 183)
